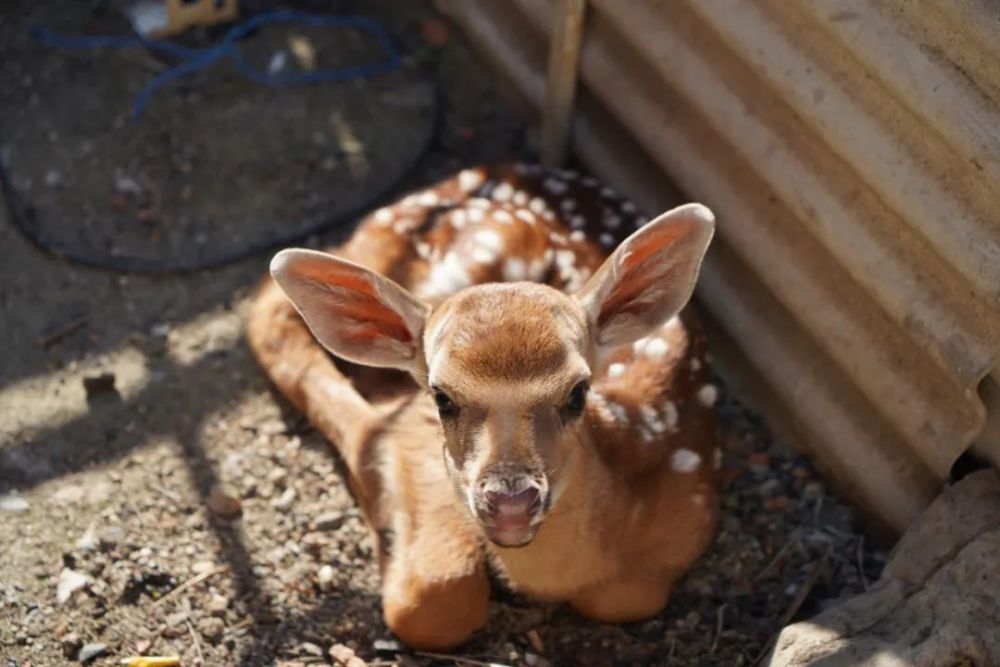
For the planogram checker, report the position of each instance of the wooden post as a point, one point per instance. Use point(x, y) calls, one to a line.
point(560, 87)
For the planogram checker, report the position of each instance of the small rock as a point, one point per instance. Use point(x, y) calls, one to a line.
point(212, 628)
point(324, 577)
point(217, 605)
point(69, 582)
point(70, 644)
point(310, 649)
point(345, 656)
point(536, 641)
point(91, 651)
point(278, 62)
point(177, 618)
point(88, 541)
point(388, 646)
point(11, 503)
point(285, 501)
point(142, 646)
point(329, 521)
point(202, 566)
point(222, 504)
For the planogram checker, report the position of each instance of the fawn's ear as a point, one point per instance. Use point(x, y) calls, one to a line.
point(353, 311)
point(649, 278)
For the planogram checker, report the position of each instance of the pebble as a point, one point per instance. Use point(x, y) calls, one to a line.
point(91, 651)
point(68, 583)
point(212, 628)
point(70, 644)
point(11, 503)
point(388, 646)
point(88, 541)
point(324, 577)
point(222, 504)
point(218, 605)
point(329, 521)
point(202, 566)
point(345, 656)
point(310, 649)
point(285, 501)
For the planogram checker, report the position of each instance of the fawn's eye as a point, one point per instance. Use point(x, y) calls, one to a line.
point(446, 407)
point(577, 399)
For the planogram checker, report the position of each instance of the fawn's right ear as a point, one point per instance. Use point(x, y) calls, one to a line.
point(353, 311)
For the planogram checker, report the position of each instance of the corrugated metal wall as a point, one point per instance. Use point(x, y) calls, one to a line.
point(851, 151)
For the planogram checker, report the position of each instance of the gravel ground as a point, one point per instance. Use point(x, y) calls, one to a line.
point(157, 497)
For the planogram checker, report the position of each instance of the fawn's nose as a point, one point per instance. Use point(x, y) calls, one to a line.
point(507, 503)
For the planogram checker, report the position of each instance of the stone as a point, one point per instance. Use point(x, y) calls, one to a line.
point(345, 656)
point(217, 605)
point(70, 644)
point(14, 504)
point(324, 577)
point(68, 583)
point(937, 602)
point(91, 651)
point(212, 628)
point(329, 521)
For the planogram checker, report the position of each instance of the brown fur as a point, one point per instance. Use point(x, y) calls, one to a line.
point(629, 512)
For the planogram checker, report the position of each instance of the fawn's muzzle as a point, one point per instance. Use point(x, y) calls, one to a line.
point(511, 517)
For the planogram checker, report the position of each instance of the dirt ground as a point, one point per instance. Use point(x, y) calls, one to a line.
point(126, 400)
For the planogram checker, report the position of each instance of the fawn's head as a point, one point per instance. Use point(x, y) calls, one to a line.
point(508, 365)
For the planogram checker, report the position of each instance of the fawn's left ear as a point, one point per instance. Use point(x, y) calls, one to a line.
point(353, 311)
point(650, 276)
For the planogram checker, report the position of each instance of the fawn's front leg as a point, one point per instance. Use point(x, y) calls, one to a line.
point(435, 590)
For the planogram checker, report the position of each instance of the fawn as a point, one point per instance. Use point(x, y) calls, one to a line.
point(557, 421)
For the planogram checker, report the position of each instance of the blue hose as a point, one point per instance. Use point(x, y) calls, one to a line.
point(194, 59)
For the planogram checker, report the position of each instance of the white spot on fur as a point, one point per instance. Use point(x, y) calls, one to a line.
point(612, 222)
point(578, 236)
point(536, 269)
point(656, 348)
point(618, 410)
point(484, 255)
point(526, 215)
point(447, 276)
point(475, 214)
point(503, 217)
point(578, 222)
point(503, 192)
point(589, 181)
point(470, 179)
point(601, 405)
point(684, 460)
point(641, 221)
point(708, 395)
point(428, 198)
point(515, 269)
point(537, 205)
point(652, 420)
point(616, 370)
point(607, 240)
point(628, 207)
point(567, 205)
point(670, 415)
point(608, 192)
point(520, 198)
point(489, 239)
point(555, 237)
point(423, 249)
point(383, 216)
point(695, 364)
point(458, 218)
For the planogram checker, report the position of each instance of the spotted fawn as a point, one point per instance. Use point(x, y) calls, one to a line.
point(555, 418)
